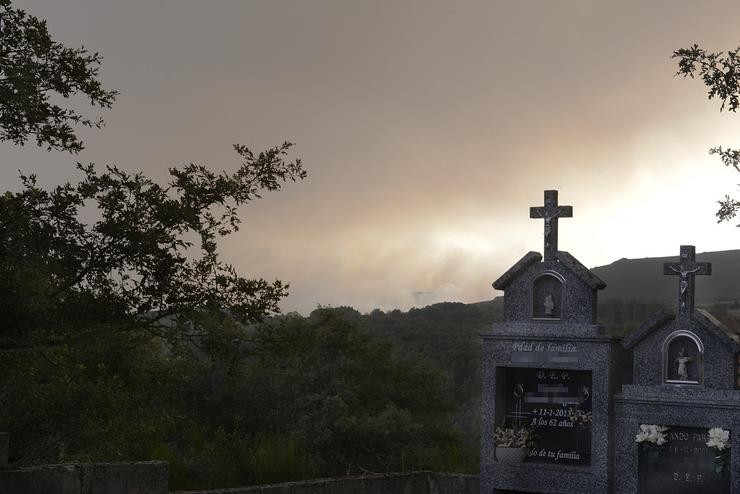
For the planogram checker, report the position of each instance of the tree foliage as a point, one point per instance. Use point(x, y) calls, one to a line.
point(103, 399)
point(35, 68)
point(124, 336)
point(296, 398)
point(150, 256)
point(720, 72)
point(310, 397)
point(348, 399)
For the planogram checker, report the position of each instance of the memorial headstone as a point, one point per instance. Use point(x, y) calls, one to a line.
point(678, 424)
point(550, 366)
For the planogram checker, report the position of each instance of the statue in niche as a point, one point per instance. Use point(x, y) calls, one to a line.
point(549, 305)
point(682, 360)
point(547, 297)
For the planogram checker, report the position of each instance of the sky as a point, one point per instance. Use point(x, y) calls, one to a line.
point(427, 130)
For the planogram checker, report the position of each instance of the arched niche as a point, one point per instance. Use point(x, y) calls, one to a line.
point(683, 358)
point(547, 296)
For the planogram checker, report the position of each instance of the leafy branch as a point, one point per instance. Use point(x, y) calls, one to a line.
point(34, 67)
point(66, 280)
point(720, 72)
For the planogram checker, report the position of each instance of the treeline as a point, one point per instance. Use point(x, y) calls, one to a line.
point(331, 394)
point(620, 317)
point(446, 335)
point(299, 398)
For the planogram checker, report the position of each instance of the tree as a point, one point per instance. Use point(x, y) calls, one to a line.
point(352, 404)
point(34, 67)
point(720, 72)
point(137, 267)
point(102, 399)
point(85, 307)
point(114, 301)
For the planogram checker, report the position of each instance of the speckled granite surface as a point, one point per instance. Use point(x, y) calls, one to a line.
point(712, 402)
point(590, 351)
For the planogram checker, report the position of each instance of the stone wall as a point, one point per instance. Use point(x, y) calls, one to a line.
point(392, 483)
point(150, 477)
point(153, 477)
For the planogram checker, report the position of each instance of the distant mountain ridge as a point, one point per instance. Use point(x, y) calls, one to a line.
point(643, 279)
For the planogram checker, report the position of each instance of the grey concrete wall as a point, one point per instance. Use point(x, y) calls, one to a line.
point(99, 478)
point(392, 483)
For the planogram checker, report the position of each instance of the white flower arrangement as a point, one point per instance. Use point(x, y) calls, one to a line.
point(653, 434)
point(516, 436)
point(718, 438)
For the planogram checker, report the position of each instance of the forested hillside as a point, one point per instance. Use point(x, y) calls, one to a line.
point(297, 397)
point(643, 279)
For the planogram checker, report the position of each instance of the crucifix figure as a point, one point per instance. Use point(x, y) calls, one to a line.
point(550, 212)
point(687, 268)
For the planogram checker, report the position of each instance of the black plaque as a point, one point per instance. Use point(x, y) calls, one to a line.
point(684, 465)
point(549, 399)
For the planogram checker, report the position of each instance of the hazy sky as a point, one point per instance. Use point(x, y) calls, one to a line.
point(428, 129)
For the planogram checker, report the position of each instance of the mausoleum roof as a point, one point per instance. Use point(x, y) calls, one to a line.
point(580, 270)
point(655, 321)
point(567, 260)
point(704, 318)
point(710, 322)
point(529, 258)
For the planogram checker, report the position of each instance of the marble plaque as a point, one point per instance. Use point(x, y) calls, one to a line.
point(684, 465)
point(558, 403)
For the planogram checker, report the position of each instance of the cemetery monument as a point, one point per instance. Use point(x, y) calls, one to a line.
point(548, 364)
point(686, 382)
point(657, 411)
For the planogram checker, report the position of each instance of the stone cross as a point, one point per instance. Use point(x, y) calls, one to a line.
point(687, 268)
point(550, 212)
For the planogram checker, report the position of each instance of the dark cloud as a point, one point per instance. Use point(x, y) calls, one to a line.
point(428, 129)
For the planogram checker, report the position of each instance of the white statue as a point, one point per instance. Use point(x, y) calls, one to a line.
point(682, 360)
point(549, 305)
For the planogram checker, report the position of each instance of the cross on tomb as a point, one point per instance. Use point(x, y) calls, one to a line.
point(687, 268)
point(550, 212)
